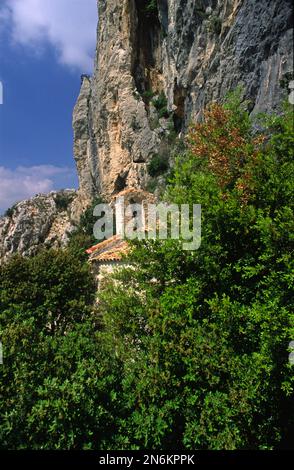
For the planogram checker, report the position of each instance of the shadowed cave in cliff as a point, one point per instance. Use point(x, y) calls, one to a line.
point(147, 44)
point(152, 28)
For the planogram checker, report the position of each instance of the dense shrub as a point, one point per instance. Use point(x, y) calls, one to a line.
point(151, 8)
point(82, 237)
point(47, 328)
point(215, 24)
point(160, 103)
point(9, 212)
point(158, 165)
point(63, 200)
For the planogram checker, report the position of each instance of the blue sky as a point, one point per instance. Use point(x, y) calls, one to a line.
point(45, 45)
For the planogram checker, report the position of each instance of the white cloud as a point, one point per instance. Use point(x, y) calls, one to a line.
point(69, 25)
point(25, 182)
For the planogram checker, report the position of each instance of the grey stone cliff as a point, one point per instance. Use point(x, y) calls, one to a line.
point(42, 221)
point(193, 52)
point(84, 144)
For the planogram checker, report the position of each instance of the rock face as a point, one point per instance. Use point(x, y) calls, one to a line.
point(158, 63)
point(190, 52)
point(84, 144)
point(43, 221)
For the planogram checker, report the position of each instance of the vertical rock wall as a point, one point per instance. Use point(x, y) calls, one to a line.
point(193, 52)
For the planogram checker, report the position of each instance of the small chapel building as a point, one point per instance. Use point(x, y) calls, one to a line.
point(110, 254)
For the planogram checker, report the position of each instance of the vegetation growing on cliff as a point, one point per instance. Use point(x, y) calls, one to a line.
point(9, 212)
point(157, 165)
point(150, 8)
point(160, 104)
point(83, 237)
point(199, 359)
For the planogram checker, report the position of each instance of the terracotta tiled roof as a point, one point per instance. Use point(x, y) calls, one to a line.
point(114, 254)
point(103, 244)
point(112, 249)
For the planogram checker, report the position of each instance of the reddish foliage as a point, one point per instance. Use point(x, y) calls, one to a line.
point(219, 141)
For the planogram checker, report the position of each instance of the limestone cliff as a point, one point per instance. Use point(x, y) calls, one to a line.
point(189, 51)
point(85, 151)
point(158, 63)
point(42, 221)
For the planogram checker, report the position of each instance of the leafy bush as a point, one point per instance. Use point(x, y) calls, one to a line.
point(47, 329)
point(151, 8)
point(152, 185)
point(63, 200)
point(9, 212)
point(160, 103)
point(286, 79)
point(215, 24)
point(157, 165)
point(83, 237)
point(148, 95)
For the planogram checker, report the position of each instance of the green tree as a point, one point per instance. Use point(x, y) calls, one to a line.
point(56, 378)
point(83, 237)
point(185, 350)
point(203, 336)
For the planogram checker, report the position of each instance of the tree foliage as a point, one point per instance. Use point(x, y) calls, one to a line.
point(205, 345)
point(83, 237)
point(53, 396)
point(189, 350)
